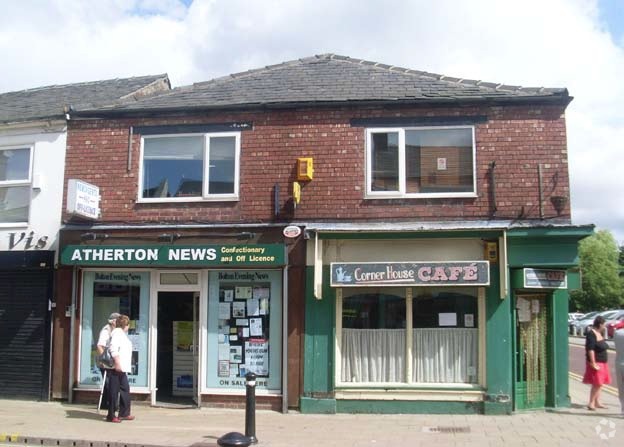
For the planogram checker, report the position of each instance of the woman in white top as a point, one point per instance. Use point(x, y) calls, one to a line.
point(121, 351)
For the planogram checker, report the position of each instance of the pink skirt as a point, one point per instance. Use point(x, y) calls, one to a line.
point(599, 377)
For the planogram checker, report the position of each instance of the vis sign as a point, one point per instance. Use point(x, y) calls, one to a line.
point(474, 273)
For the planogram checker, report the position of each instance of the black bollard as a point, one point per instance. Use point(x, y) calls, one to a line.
point(233, 439)
point(250, 408)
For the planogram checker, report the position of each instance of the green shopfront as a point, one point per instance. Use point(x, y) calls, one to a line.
point(467, 320)
point(201, 317)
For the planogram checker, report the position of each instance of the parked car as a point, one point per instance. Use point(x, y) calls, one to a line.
point(575, 324)
point(574, 316)
point(614, 324)
point(583, 325)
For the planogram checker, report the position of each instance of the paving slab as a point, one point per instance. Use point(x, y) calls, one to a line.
point(63, 425)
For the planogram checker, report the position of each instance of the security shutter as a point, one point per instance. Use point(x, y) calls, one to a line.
point(24, 333)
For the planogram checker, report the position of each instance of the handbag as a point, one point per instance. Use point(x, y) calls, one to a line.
point(106, 360)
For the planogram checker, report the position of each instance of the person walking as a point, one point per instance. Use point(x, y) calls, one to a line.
point(119, 388)
point(102, 344)
point(619, 365)
point(596, 367)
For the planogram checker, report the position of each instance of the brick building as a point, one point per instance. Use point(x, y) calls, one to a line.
point(362, 237)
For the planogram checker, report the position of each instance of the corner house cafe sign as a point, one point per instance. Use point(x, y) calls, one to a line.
point(474, 273)
point(174, 255)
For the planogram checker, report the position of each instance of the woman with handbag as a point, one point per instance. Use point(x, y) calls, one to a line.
point(102, 348)
point(121, 350)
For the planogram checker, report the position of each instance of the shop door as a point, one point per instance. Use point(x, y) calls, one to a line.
point(530, 351)
point(176, 362)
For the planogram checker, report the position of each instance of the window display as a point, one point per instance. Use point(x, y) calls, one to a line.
point(104, 293)
point(444, 335)
point(244, 329)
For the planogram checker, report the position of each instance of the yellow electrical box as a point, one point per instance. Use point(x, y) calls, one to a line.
point(305, 169)
point(491, 251)
point(296, 193)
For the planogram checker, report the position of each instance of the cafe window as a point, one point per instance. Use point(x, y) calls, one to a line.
point(442, 333)
point(15, 185)
point(126, 293)
point(190, 167)
point(421, 162)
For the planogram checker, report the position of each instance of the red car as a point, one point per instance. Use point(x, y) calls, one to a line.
point(613, 326)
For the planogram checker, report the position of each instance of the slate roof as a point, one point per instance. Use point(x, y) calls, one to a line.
point(49, 102)
point(333, 79)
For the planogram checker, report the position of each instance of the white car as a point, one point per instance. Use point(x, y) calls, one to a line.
point(583, 325)
point(575, 325)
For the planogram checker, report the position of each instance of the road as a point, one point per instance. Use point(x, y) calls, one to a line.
point(577, 360)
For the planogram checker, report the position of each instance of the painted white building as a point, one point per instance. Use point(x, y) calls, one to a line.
point(32, 158)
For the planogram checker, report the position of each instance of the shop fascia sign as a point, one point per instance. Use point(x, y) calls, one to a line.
point(83, 199)
point(174, 255)
point(545, 279)
point(461, 273)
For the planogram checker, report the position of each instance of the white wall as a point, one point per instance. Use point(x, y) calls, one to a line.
point(49, 144)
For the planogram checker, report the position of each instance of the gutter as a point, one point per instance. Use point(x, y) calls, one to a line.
point(147, 111)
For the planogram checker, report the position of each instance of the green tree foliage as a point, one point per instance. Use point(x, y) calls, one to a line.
point(602, 287)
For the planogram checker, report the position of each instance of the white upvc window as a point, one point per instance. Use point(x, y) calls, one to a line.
point(420, 162)
point(190, 167)
point(15, 185)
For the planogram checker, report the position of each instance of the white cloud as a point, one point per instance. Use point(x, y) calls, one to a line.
point(558, 43)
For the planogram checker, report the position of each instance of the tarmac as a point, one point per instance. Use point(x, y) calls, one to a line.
point(70, 425)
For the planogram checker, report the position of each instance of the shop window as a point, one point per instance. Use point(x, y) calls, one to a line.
point(190, 167)
point(443, 336)
point(244, 329)
point(15, 178)
point(421, 162)
point(373, 338)
point(126, 293)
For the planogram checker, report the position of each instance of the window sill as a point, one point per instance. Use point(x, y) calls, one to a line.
point(189, 200)
point(455, 195)
point(454, 394)
point(5, 225)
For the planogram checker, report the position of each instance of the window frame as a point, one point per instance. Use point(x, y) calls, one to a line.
point(21, 182)
point(205, 197)
point(401, 193)
point(409, 384)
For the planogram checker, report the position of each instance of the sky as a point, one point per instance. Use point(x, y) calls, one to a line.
point(577, 44)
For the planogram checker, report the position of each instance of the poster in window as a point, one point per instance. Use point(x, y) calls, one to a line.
point(255, 327)
point(469, 320)
point(224, 368)
point(236, 354)
point(253, 307)
point(224, 311)
point(447, 319)
point(261, 292)
point(238, 309)
point(257, 357)
point(242, 292)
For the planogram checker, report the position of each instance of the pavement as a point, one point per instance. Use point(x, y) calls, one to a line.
point(71, 425)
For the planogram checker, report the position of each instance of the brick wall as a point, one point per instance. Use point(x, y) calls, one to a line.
point(516, 138)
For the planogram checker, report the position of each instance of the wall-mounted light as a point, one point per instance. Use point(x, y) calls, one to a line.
point(559, 203)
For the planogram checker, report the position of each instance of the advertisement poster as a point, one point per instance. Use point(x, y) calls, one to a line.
point(257, 357)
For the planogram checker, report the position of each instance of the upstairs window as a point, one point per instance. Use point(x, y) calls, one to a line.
point(420, 162)
point(191, 167)
point(15, 189)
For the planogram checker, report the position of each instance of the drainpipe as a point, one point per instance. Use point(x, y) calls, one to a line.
point(71, 337)
point(541, 192)
point(285, 338)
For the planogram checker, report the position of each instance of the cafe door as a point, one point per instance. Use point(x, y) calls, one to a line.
point(531, 356)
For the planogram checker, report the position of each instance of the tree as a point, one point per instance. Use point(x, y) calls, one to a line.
point(601, 285)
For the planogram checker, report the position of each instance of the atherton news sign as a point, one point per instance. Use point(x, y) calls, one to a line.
point(174, 255)
point(461, 273)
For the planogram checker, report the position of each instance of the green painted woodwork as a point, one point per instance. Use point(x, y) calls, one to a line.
point(408, 407)
point(498, 346)
point(320, 326)
point(574, 280)
point(318, 406)
point(560, 393)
